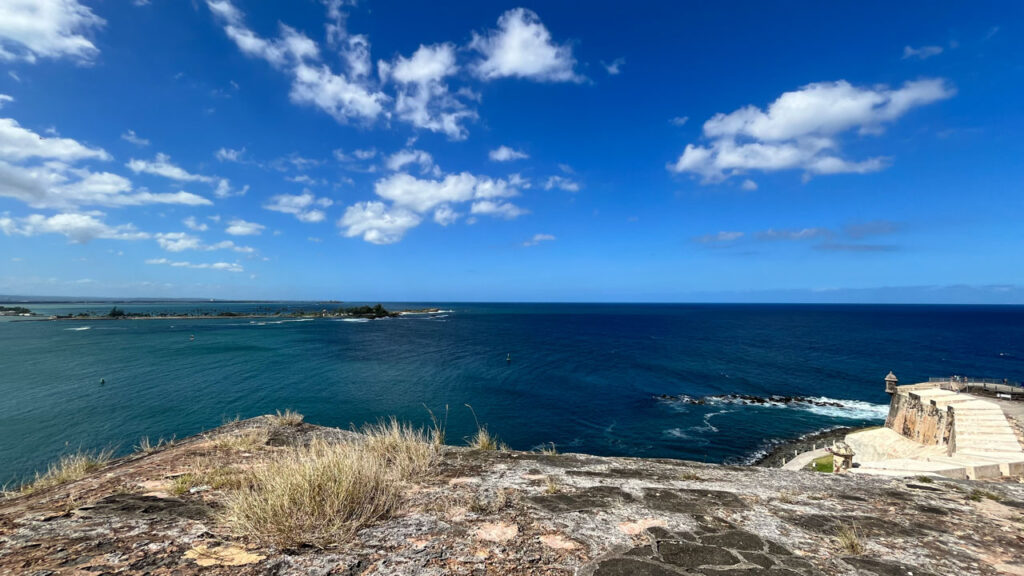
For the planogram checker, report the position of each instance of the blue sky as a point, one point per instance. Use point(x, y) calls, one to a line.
point(485, 151)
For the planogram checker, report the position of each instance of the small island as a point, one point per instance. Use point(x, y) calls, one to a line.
point(15, 311)
point(375, 312)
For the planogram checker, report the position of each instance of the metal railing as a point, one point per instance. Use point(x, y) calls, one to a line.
point(988, 384)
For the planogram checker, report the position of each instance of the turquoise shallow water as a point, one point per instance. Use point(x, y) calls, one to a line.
point(583, 376)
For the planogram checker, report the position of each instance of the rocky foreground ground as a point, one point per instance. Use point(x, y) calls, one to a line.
point(493, 512)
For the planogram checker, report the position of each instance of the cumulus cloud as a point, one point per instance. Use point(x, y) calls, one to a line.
point(799, 130)
point(562, 183)
point(130, 136)
point(181, 241)
point(410, 198)
point(400, 159)
point(377, 223)
point(192, 224)
point(538, 238)
point(305, 206)
point(32, 29)
point(77, 227)
point(679, 120)
point(506, 154)
point(749, 185)
point(922, 53)
point(4, 99)
point(423, 98)
point(42, 172)
point(162, 166)
point(239, 227)
point(614, 68)
point(344, 96)
point(521, 47)
point(225, 266)
point(229, 155)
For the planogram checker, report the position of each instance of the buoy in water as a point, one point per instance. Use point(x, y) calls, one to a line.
point(103, 381)
point(508, 358)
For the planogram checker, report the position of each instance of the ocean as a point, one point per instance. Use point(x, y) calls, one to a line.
point(586, 377)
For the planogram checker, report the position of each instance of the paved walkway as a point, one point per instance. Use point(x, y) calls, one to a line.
point(804, 460)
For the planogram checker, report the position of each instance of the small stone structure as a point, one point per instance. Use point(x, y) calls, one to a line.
point(891, 382)
point(842, 457)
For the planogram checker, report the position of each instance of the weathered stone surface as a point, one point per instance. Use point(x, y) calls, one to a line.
point(491, 513)
point(868, 566)
point(689, 555)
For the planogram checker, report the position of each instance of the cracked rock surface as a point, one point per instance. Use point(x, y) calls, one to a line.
point(502, 513)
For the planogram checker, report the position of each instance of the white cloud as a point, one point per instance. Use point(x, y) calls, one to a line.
point(17, 143)
point(679, 120)
point(130, 136)
point(802, 234)
point(225, 266)
point(40, 172)
point(498, 209)
point(724, 236)
point(922, 53)
point(181, 241)
point(342, 96)
point(538, 238)
point(799, 129)
point(521, 47)
point(400, 159)
point(365, 154)
point(229, 155)
point(423, 98)
point(377, 223)
point(303, 206)
point(614, 68)
point(78, 227)
point(239, 227)
point(506, 154)
point(162, 166)
point(192, 224)
point(410, 198)
point(562, 183)
point(749, 184)
point(4, 98)
point(31, 29)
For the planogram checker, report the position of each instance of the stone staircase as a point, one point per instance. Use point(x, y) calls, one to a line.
point(982, 442)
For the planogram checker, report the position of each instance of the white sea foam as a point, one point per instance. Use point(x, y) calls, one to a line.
point(79, 328)
point(851, 409)
point(360, 320)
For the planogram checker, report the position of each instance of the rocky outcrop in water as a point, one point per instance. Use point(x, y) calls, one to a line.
point(747, 399)
point(497, 513)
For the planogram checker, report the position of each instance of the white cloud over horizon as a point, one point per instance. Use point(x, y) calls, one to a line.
point(506, 154)
point(305, 207)
point(799, 130)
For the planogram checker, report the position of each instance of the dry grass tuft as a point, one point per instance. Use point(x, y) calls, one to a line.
point(147, 447)
point(551, 486)
point(483, 439)
point(438, 428)
point(69, 468)
point(244, 441)
point(287, 418)
point(549, 449)
point(849, 539)
point(323, 493)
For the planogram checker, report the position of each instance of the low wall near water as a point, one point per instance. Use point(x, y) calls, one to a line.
point(919, 421)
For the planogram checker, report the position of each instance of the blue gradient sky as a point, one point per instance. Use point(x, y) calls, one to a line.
point(485, 151)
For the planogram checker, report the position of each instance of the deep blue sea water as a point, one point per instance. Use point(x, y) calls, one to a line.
point(583, 376)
